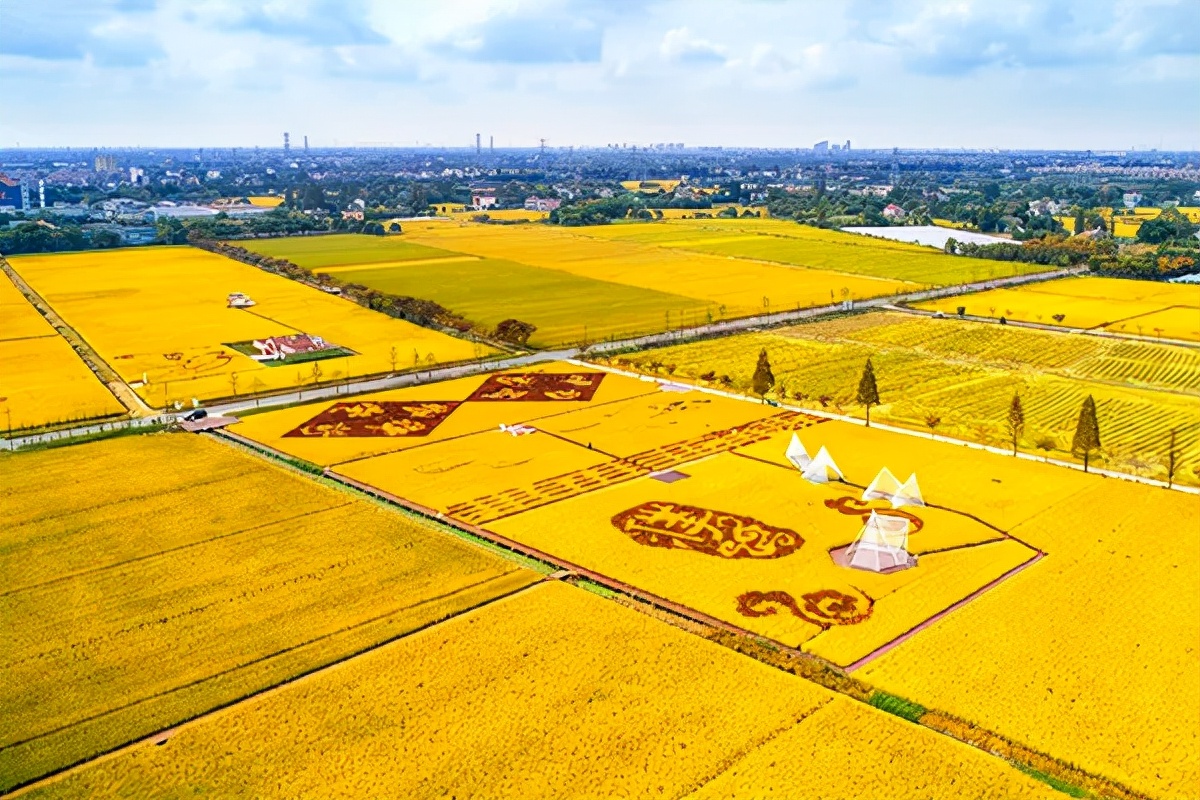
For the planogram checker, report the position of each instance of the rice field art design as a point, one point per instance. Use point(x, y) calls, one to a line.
point(376, 418)
point(539, 386)
point(824, 608)
point(714, 533)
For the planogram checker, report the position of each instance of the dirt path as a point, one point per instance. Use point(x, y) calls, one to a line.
point(106, 374)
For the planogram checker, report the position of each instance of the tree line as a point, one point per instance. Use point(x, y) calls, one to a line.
point(1085, 443)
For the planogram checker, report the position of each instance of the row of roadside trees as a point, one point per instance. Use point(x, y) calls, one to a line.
point(1084, 443)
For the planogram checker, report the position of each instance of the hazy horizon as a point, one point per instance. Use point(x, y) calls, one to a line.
point(1064, 75)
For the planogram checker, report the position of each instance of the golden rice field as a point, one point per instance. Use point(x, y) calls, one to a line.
point(615, 281)
point(560, 489)
point(964, 374)
point(158, 316)
point(1086, 653)
point(787, 243)
point(43, 380)
point(1138, 308)
point(1089, 654)
point(145, 580)
point(1097, 660)
point(550, 693)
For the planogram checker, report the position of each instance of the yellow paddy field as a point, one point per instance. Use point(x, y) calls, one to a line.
point(159, 315)
point(963, 375)
point(145, 580)
point(1048, 605)
point(43, 380)
point(625, 279)
point(590, 461)
point(1141, 308)
point(550, 693)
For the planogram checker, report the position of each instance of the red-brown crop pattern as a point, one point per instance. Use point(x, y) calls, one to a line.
point(376, 418)
point(673, 526)
point(538, 386)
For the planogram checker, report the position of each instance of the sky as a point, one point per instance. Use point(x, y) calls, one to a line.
point(1070, 74)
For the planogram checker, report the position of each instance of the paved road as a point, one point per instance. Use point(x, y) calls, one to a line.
point(1041, 326)
point(711, 330)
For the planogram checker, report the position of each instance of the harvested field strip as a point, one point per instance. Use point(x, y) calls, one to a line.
point(202, 596)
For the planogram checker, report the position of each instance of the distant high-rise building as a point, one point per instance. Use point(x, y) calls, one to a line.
point(478, 147)
point(491, 144)
point(821, 148)
point(106, 162)
point(14, 194)
point(287, 145)
point(306, 144)
point(847, 145)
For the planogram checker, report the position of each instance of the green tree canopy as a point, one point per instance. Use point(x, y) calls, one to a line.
point(1016, 420)
point(763, 378)
point(1087, 432)
point(868, 392)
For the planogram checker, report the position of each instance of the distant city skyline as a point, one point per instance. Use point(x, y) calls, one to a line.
point(1100, 74)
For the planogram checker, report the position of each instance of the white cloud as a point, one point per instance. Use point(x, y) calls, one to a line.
point(1093, 73)
point(679, 45)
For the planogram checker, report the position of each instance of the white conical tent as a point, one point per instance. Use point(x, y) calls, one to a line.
point(821, 469)
point(797, 454)
point(884, 487)
point(881, 545)
point(909, 493)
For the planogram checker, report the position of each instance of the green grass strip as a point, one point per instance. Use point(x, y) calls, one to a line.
point(902, 708)
point(1051, 781)
point(596, 588)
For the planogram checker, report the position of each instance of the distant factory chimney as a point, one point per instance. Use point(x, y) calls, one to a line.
point(306, 144)
point(478, 149)
point(287, 145)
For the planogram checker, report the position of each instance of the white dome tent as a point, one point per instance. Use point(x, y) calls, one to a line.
point(909, 494)
point(821, 469)
point(882, 545)
point(797, 454)
point(884, 487)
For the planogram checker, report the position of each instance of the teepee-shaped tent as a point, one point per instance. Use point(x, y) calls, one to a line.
point(909, 493)
point(797, 454)
point(881, 545)
point(821, 469)
point(884, 487)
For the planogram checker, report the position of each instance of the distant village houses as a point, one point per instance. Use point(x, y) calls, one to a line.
point(536, 203)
